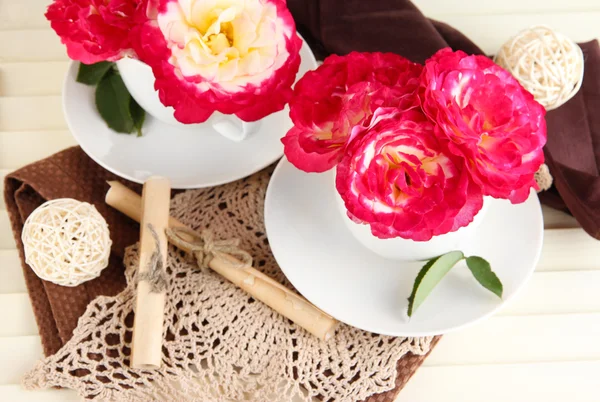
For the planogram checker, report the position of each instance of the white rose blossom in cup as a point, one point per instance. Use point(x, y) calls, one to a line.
point(232, 56)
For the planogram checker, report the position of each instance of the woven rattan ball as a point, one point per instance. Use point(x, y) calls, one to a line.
point(66, 242)
point(543, 178)
point(546, 63)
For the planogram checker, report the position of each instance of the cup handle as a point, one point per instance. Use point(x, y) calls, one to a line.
point(233, 128)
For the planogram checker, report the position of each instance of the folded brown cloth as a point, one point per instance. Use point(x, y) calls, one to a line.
point(397, 26)
point(573, 149)
point(68, 174)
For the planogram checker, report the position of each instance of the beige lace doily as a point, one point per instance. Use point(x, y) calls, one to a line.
point(220, 344)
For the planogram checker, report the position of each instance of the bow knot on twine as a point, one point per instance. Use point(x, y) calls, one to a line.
point(204, 247)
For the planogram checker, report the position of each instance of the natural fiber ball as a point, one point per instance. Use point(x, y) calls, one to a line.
point(66, 242)
point(543, 178)
point(546, 63)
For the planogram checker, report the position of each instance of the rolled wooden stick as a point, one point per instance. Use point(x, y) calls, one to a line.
point(146, 350)
point(257, 284)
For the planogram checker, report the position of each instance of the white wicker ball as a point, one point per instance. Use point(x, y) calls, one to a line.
point(66, 242)
point(546, 63)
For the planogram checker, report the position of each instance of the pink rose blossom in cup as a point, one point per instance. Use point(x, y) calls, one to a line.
point(397, 178)
point(341, 93)
point(232, 56)
point(485, 116)
point(94, 30)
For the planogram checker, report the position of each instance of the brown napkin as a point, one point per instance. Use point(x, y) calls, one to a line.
point(341, 26)
point(68, 174)
point(573, 149)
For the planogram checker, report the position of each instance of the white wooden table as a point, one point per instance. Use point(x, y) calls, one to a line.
point(545, 346)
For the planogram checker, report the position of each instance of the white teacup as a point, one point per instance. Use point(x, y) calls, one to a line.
point(410, 250)
point(139, 80)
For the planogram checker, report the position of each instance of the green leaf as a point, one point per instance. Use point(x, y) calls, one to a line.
point(138, 115)
point(113, 103)
point(429, 276)
point(91, 74)
point(482, 271)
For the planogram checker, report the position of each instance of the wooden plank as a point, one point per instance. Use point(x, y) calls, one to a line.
point(438, 9)
point(536, 300)
point(24, 147)
point(18, 319)
point(3, 173)
point(23, 14)
point(488, 31)
point(502, 340)
point(30, 113)
point(461, 350)
point(19, 354)
point(569, 249)
point(32, 79)
point(555, 219)
point(548, 382)
point(31, 45)
point(11, 273)
point(16, 393)
point(7, 240)
point(547, 293)
point(557, 293)
point(30, 14)
point(491, 31)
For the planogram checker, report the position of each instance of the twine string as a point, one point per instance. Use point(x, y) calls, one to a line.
point(204, 247)
point(154, 272)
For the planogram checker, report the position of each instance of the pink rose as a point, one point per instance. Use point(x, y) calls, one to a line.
point(343, 92)
point(486, 117)
point(234, 56)
point(94, 30)
point(397, 178)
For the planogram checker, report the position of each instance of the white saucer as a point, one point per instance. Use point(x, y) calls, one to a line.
point(191, 157)
point(322, 259)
